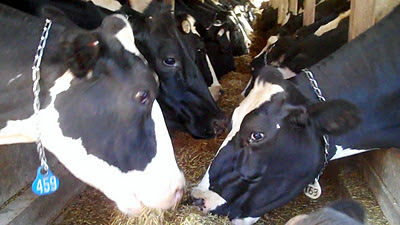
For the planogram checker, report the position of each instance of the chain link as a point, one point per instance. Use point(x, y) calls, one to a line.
point(36, 91)
point(321, 98)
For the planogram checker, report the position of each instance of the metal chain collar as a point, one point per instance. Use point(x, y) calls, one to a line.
point(321, 98)
point(36, 91)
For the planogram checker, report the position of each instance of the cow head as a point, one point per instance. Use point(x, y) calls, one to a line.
point(273, 151)
point(198, 52)
point(184, 97)
point(101, 119)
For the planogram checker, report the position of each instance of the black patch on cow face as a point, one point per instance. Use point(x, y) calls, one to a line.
point(184, 97)
point(111, 111)
point(277, 151)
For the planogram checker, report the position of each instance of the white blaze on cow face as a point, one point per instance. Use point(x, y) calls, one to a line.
point(215, 87)
point(127, 39)
point(261, 93)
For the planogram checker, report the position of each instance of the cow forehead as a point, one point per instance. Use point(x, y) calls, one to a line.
point(261, 93)
point(126, 38)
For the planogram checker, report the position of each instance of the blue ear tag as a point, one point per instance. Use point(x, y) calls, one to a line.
point(45, 184)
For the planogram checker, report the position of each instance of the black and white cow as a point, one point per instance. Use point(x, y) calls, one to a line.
point(292, 55)
point(341, 212)
point(99, 116)
point(213, 29)
point(275, 147)
point(186, 24)
point(184, 98)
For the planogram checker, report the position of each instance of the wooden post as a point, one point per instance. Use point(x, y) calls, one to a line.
point(282, 10)
point(293, 5)
point(309, 12)
point(274, 3)
point(361, 16)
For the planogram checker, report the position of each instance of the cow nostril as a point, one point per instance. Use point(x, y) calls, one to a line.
point(219, 125)
point(198, 202)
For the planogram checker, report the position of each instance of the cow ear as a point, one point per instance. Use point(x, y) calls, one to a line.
point(186, 26)
point(334, 117)
point(80, 52)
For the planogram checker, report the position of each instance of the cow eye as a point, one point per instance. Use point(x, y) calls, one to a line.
point(142, 97)
point(199, 50)
point(169, 61)
point(256, 136)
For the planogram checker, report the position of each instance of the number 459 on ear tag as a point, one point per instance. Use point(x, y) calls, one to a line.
point(45, 184)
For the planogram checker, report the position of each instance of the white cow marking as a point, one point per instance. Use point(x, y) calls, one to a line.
point(245, 221)
point(261, 93)
point(333, 24)
point(215, 86)
point(271, 40)
point(139, 5)
point(127, 39)
point(234, 19)
point(192, 22)
point(286, 73)
point(341, 153)
point(108, 4)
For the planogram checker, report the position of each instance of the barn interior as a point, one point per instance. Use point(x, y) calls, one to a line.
point(369, 178)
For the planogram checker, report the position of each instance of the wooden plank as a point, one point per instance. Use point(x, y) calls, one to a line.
point(386, 164)
point(28, 208)
point(384, 7)
point(293, 5)
point(274, 3)
point(282, 10)
point(381, 177)
point(361, 17)
point(309, 12)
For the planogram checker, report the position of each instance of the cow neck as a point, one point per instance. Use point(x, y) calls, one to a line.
point(303, 84)
point(321, 98)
